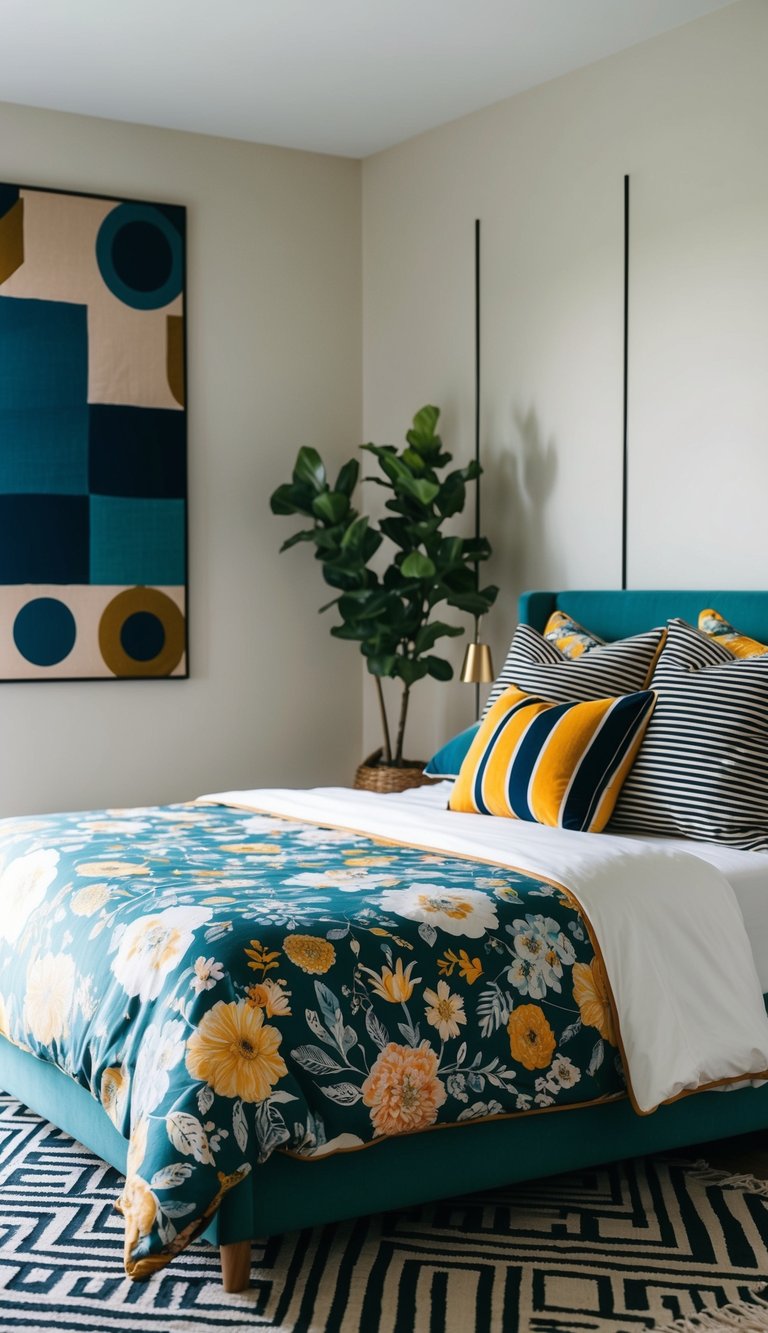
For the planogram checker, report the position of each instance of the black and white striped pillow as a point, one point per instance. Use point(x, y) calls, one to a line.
point(606, 670)
point(702, 770)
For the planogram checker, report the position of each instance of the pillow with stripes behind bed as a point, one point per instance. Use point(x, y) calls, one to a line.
point(702, 770)
point(537, 666)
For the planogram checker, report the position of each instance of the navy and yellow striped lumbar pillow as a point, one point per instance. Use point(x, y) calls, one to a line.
point(560, 764)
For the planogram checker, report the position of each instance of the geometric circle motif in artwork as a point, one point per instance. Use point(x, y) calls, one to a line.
point(142, 636)
point(44, 631)
point(136, 620)
point(139, 254)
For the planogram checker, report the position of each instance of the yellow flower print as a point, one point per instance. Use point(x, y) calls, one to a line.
point(270, 996)
point(111, 869)
point(531, 1039)
point(49, 996)
point(138, 1205)
point(445, 1011)
point(113, 1092)
point(262, 960)
point(368, 860)
point(90, 899)
point(469, 968)
point(310, 953)
point(396, 986)
point(252, 848)
point(403, 1090)
point(590, 991)
point(235, 1052)
point(137, 1146)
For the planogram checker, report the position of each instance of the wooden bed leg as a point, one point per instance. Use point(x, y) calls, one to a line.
point(236, 1265)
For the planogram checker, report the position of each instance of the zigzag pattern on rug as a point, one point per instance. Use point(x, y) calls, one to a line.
point(648, 1244)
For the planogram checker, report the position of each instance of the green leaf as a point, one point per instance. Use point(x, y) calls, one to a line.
point(427, 636)
point(426, 419)
point(410, 670)
point(452, 496)
point(347, 478)
point(346, 580)
point(438, 668)
point(382, 666)
point(309, 469)
point(347, 632)
point(306, 536)
point(413, 460)
point(421, 490)
point(476, 549)
point(352, 540)
point(449, 552)
point(284, 501)
point(417, 566)
point(473, 602)
point(330, 506)
point(397, 530)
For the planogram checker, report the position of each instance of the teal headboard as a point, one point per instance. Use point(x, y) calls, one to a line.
point(615, 615)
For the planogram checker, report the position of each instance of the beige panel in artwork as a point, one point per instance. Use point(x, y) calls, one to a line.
point(87, 604)
point(59, 248)
point(127, 348)
point(127, 353)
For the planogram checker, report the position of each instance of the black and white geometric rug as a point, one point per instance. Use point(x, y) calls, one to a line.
point(619, 1249)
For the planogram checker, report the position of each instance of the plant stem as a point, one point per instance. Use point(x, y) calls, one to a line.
point(384, 722)
point(401, 726)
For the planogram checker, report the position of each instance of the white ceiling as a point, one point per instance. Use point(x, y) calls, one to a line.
point(334, 76)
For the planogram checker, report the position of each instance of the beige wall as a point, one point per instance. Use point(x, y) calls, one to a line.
point(686, 115)
point(274, 362)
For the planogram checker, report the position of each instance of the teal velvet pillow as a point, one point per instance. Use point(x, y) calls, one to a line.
point(447, 761)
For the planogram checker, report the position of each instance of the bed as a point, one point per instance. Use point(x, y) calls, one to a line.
point(288, 1191)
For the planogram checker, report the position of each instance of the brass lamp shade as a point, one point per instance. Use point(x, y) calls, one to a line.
point(477, 667)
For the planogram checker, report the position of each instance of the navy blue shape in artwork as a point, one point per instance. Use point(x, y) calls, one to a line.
point(44, 631)
point(44, 539)
point(142, 256)
point(137, 452)
point(8, 196)
point(142, 636)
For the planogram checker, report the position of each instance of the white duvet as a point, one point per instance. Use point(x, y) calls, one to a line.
point(688, 998)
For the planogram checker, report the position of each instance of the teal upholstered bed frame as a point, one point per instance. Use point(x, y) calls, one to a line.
point(286, 1194)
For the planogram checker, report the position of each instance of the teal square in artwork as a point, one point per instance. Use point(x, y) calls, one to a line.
point(43, 393)
point(137, 541)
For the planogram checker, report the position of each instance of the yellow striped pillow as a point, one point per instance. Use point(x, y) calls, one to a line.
point(715, 626)
point(560, 764)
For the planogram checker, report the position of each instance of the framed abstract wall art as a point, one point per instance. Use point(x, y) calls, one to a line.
point(93, 441)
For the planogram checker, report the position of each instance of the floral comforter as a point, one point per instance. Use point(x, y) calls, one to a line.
point(231, 984)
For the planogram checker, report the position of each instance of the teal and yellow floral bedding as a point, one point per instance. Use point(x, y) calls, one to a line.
point(230, 985)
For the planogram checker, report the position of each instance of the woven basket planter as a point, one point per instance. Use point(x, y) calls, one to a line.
point(374, 776)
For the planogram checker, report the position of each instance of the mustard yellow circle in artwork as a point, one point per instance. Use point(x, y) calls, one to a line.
point(126, 604)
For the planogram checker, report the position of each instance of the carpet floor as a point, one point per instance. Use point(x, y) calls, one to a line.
point(646, 1244)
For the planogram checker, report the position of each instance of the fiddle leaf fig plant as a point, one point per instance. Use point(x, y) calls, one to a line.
point(389, 609)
